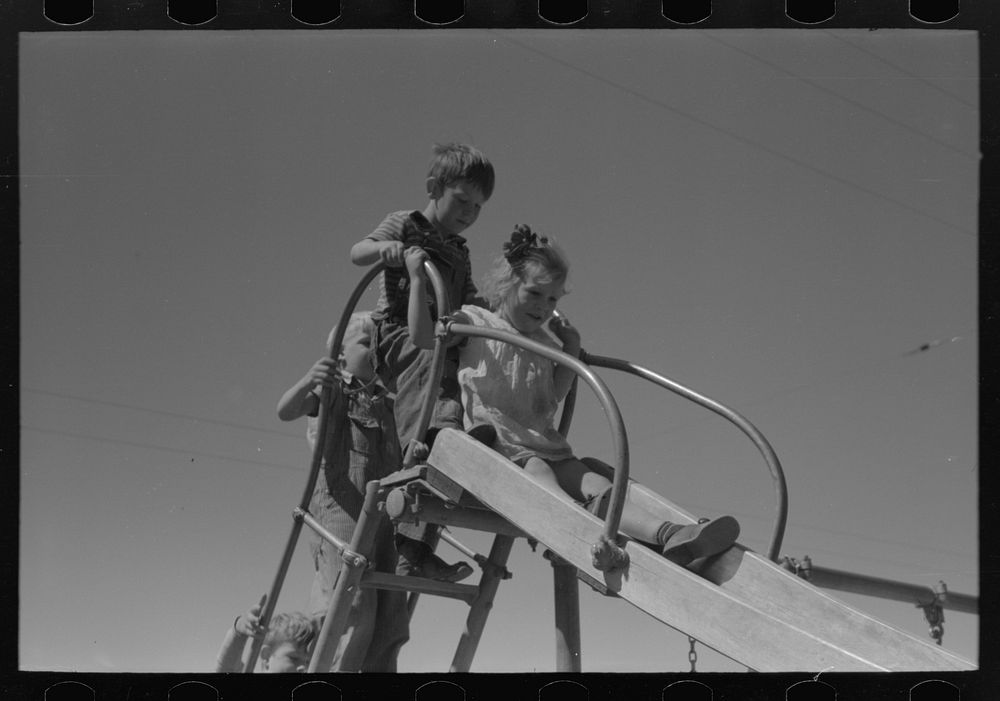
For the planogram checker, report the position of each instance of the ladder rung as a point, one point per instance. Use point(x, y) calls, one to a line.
point(422, 585)
point(436, 511)
point(326, 535)
point(403, 476)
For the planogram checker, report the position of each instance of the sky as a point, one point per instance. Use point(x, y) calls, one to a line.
point(780, 220)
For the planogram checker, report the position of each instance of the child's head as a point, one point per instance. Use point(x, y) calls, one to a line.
point(356, 346)
point(287, 646)
point(453, 162)
point(526, 282)
point(459, 182)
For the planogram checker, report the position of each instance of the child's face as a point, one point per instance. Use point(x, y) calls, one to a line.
point(531, 303)
point(287, 657)
point(454, 208)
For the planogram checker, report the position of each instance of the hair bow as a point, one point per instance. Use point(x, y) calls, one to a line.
point(522, 240)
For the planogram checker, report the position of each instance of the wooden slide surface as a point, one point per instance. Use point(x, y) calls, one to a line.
point(738, 603)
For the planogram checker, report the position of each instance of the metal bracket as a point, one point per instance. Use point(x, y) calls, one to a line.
point(354, 559)
point(607, 555)
point(799, 569)
point(934, 612)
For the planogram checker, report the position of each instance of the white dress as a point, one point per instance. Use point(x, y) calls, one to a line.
point(511, 388)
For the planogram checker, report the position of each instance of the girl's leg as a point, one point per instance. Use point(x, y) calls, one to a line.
point(678, 543)
point(581, 482)
point(541, 472)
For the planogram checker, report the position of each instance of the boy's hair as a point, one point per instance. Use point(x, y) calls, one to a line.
point(501, 279)
point(453, 162)
point(292, 627)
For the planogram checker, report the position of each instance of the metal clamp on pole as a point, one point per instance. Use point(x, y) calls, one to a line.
point(934, 612)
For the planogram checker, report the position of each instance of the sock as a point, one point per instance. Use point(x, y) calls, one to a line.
point(665, 531)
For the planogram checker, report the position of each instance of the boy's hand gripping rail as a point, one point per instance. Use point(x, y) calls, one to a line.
point(620, 483)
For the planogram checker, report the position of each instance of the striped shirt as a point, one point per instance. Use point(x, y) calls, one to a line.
point(448, 253)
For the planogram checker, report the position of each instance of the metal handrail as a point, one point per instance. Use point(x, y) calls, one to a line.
point(437, 363)
point(777, 474)
point(620, 444)
point(317, 458)
point(325, 405)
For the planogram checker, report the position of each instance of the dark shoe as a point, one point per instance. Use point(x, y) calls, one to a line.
point(434, 567)
point(484, 433)
point(417, 560)
point(429, 437)
point(695, 541)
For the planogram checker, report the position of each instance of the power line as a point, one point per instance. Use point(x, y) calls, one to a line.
point(165, 449)
point(299, 469)
point(855, 103)
point(742, 139)
point(880, 59)
point(161, 412)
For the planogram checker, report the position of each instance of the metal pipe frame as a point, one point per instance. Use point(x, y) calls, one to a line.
point(437, 364)
point(475, 622)
point(888, 589)
point(355, 563)
point(325, 405)
point(435, 511)
point(777, 474)
point(401, 582)
point(322, 532)
point(430, 391)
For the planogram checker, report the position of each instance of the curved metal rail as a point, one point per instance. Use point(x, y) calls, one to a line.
point(620, 444)
point(323, 420)
point(777, 475)
point(437, 363)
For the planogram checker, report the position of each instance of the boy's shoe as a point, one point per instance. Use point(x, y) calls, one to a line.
point(417, 560)
point(709, 537)
point(433, 567)
point(484, 433)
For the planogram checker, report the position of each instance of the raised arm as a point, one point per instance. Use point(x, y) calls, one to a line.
point(300, 399)
point(570, 338)
point(368, 251)
point(230, 657)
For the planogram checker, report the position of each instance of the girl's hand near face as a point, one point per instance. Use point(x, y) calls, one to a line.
point(567, 334)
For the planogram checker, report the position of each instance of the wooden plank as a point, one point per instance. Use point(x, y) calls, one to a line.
point(780, 593)
point(672, 594)
point(451, 489)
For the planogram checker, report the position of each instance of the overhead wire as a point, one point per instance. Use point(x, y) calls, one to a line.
point(161, 448)
point(214, 456)
point(881, 59)
point(738, 137)
point(854, 103)
point(161, 412)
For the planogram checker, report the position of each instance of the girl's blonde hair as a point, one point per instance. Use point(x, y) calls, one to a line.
point(542, 255)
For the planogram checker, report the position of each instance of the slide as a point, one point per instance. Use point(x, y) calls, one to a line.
point(737, 603)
